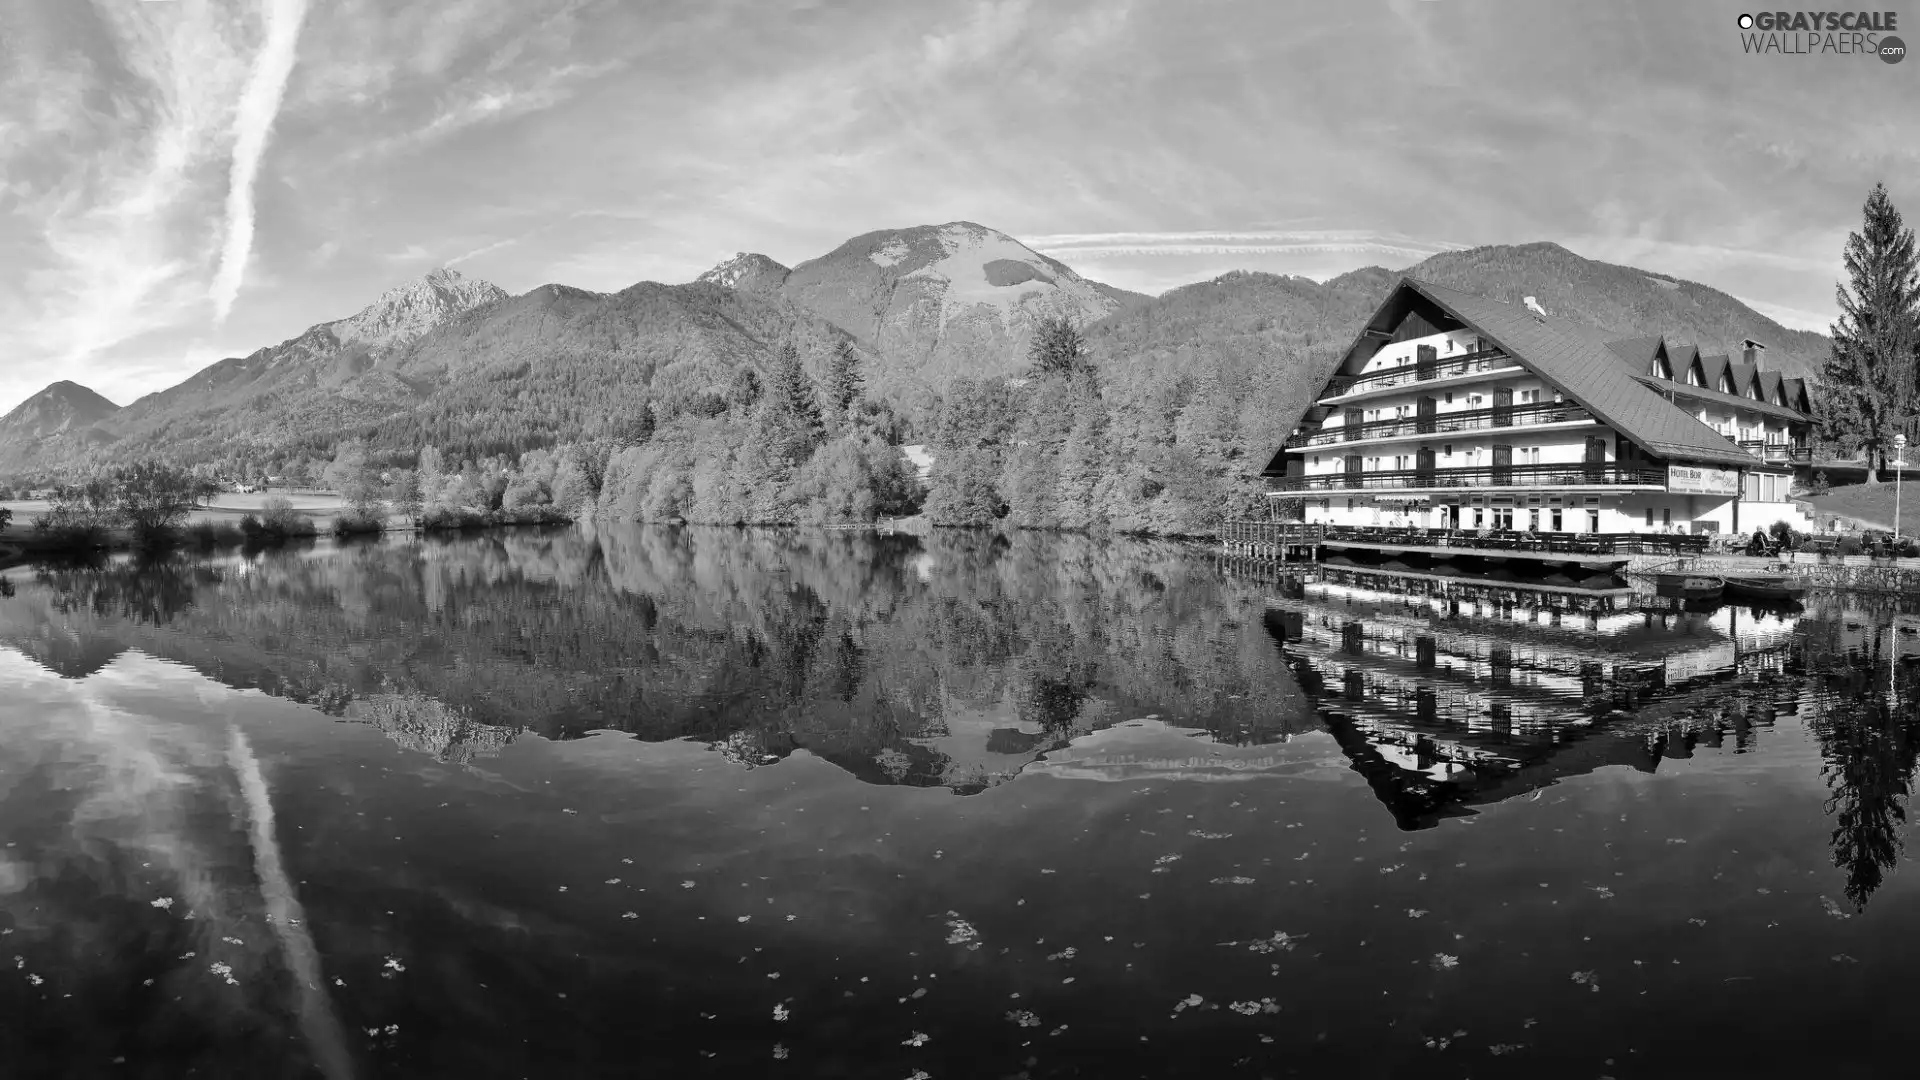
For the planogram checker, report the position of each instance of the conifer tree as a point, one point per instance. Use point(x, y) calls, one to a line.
point(1870, 374)
point(792, 410)
point(843, 379)
point(1058, 349)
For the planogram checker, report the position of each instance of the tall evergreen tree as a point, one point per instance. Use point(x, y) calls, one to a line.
point(1058, 349)
point(843, 379)
point(1870, 375)
point(792, 410)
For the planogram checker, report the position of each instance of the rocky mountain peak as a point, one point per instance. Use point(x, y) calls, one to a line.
point(747, 271)
point(408, 311)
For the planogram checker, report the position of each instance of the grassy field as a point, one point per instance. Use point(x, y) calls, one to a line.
point(1872, 505)
point(228, 507)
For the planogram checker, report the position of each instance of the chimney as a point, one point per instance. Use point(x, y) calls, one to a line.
point(1750, 351)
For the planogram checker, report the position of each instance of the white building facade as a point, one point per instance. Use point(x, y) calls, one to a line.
point(1459, 412)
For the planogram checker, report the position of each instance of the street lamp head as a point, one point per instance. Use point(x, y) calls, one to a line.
point(1900, 439)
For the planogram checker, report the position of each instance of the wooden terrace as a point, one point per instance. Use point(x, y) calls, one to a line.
point(1280, 541)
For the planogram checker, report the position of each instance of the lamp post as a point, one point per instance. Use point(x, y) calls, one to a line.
point(1899, 466)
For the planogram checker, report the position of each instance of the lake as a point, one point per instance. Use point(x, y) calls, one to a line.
point(627, 801)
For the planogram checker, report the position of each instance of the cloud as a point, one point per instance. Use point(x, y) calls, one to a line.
point(1068, 246)
point(253, 122)
point(990, 29)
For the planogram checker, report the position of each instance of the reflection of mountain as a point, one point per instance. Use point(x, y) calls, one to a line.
point(1445, 698)
point(953, 661)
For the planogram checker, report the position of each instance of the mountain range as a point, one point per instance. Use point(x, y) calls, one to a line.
point(464, 365)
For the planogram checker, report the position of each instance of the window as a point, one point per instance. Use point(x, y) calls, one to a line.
point(1649, 517)
point(1693, 376)
point(1447, 449)
point(1533, 521)
point(1529, 397)
point(1593, 521)
point(1666, 516)
point(1450, 344)
point(1449, 397)
point(1476, 400)
point(1316, 459)
point(1479, 518)
point(1726, 384)
point(1555, 518)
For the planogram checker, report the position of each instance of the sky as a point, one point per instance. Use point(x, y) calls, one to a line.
point(184, 180)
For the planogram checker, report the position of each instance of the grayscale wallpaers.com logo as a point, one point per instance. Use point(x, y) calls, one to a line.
point(1838, 33)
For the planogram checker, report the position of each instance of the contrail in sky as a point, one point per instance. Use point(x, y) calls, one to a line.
point(259, 104)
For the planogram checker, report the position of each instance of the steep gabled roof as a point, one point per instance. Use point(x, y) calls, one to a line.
point(1574, 358)
point(1736, 401)
point(1796, 394)
point(1637, 353)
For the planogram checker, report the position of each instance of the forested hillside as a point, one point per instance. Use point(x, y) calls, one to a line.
point(761, 393)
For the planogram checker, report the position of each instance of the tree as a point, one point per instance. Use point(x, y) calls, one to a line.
point(353, 475)
point(1058, 349)
point(792, 411)
point(153, 499)
point(403, 488)
point(843, 380)
point(6, 518)
point(1871, 370)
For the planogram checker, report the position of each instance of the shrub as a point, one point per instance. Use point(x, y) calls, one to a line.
point(443, 518)
point(359, 521)
point(1850, 545)
point(1819, 485)
point(278, 521)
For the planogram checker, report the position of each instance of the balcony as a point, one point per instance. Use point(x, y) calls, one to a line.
point(1448, 423)
point(1480, 542)
point(1473, 363)
point(1778, 453)
point(1485, 477)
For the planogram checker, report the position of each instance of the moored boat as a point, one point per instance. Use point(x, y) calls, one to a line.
point(1763, 586)
point(1689, 586)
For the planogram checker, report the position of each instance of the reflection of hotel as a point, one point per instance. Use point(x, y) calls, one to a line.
point(1456, 411)
point(1447, 701)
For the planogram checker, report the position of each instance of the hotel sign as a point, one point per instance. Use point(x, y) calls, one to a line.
point(1694, 480)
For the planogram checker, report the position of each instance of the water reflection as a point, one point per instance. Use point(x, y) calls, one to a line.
point(654, 800)
point(1450, 695)
point(953, 662)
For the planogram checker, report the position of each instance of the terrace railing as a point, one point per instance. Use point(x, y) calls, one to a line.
point(1447, 423)
point(1405, 374)
point(1301, 534)
point(1575, 474)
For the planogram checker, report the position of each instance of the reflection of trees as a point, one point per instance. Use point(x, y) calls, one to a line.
point(949, 660)
point(1870, 742)
point(145, 591)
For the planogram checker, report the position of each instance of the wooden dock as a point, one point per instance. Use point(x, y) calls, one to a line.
point(1294, 541)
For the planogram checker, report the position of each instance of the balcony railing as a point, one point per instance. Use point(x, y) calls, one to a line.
point(1466, 364)
point(1576, 474)
point(1302, 534)
point(1777, 452)
point(1448, 423)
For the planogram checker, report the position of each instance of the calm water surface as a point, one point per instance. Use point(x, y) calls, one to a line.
point(657, 802)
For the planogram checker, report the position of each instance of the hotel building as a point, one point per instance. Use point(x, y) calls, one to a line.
point(1453, 411)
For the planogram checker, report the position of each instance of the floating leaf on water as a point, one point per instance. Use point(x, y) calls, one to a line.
point(165, 903)
point(1204, 835)
point(1588, 979)
point(1415, 913)
point(1497, 1049)
point(1236, 880)
point(1444, 962)
point(1602, 892)
point(1023, 1018)
point(629, 914)
point(393, 964)
point(780, 1012)
point(918, 1038)
point(613, 881)
point(1834, 909)
point(1698, 922)
point(686, 884)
